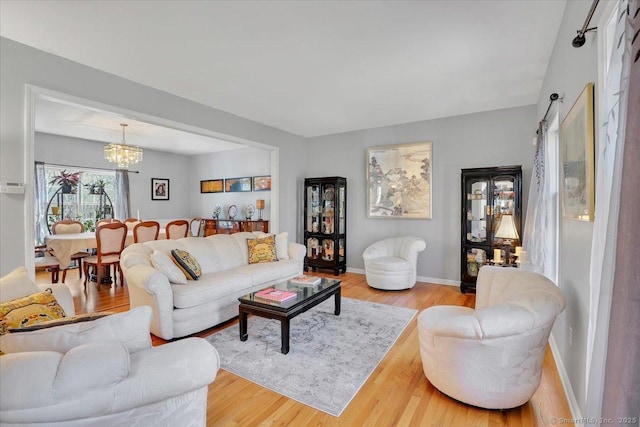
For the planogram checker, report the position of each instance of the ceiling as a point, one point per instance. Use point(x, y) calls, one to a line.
point(307, 67)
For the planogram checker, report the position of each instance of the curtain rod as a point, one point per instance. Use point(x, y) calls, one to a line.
point(552, 98)
point(580, 39)
point(88, 167)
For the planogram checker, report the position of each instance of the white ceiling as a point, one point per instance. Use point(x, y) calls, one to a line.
point(68, 119)
point(308, 67)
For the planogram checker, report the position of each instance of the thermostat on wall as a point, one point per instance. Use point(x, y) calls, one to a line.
point(12, 187)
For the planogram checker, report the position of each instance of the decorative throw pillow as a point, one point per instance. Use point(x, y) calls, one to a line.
point(187, 263)
point(262, 250)
point(29, 310)
point(163, 263)
point(63, 321)
point(282, 245)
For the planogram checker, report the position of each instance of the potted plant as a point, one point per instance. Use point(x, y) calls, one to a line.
point(68, 181)
point(96, 187)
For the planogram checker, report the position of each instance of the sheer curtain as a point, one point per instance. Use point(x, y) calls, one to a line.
point(122, 209)
point(605, 227)
point(539, 237)
point(40, 208)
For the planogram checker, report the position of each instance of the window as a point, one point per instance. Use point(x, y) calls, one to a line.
point(91, 200)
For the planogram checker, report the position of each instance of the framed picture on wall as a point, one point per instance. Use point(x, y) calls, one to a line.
point(212, 186)
point(577, 146)
point(233, 185)
point(159, 189)
point(262, 183)
point(399, 181)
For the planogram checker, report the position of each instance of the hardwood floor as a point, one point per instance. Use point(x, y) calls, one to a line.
point(396, 394)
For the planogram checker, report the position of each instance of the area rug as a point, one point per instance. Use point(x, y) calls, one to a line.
point(330, 356)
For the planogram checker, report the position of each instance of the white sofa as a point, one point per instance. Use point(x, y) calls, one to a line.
point(181, 310)
point(104, 372)
point(491, 357)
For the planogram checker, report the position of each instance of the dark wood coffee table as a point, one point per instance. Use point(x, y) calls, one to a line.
point(306, 298)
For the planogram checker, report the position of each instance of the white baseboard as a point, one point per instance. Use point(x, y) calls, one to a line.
point(566, 383)
point(419, 278)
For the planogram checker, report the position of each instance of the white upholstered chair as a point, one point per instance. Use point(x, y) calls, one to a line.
point(491, 357)
point(391, 264)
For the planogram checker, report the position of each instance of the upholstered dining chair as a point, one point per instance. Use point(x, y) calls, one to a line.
point(146, 231)
point(131, 222)
point(177, 229)
point(110, 239)
point(106, 221)
point(69, 226)
point(196, 226)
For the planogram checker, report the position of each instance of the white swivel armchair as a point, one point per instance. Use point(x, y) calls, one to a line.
point(391, 264)
point(491, 357)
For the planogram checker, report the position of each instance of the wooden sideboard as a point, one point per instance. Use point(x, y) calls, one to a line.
point(230, 226)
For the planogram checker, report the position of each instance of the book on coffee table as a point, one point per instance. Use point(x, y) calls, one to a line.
point(273, 294)
point(305, 279)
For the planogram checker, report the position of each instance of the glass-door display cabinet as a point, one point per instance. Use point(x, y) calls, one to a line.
point(490, 196)
point(325, 224)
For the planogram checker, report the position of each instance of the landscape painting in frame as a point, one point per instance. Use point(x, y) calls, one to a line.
point(577, 145)
point(212, 186)
point(399, 181)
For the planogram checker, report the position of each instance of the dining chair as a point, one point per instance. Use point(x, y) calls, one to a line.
point(131, 222)
point(177, 229)
point(146, 231)
point(69, 226)
point(110, 239)
point(196, 226)
point(106, 221)
point(46, 261)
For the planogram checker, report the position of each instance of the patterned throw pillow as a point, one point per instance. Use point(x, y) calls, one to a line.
point(262, 250)
point(29, 310)
point(63, 321)
point(187, 263)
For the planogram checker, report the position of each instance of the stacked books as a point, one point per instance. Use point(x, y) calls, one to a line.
point(273, 294)
point(306, 280)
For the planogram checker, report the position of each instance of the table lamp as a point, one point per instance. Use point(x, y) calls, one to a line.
point(507, 231)
point(260, 206)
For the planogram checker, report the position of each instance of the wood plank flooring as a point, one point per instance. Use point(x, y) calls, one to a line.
point(396, 394)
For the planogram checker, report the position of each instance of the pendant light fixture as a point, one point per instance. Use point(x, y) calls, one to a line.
point(121, 153)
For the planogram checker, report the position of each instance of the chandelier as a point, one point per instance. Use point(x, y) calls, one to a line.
point(123, 154)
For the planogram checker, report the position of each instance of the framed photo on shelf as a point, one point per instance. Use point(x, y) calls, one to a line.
point(577, 146)
point(159, 189)
point(233, 185)
point(399, 181)
point(261, 183)
point(212, 186)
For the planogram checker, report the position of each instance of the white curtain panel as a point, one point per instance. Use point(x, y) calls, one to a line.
point(123, 205)
point(40, 208)
point(538, 237)
point(608, 182)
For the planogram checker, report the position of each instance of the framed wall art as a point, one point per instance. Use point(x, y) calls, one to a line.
point(232, 185)
point(262, 183)
point(399, 181)
point(577, 146)
point(212, 186)
point(159, 189)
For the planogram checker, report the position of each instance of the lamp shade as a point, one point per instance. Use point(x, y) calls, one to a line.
point(507, 228)
point(260, 203)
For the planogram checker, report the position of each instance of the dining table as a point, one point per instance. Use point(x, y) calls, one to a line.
point(65, 245)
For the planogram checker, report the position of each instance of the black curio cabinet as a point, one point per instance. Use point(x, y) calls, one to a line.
point(488, 194)
point(325, 224)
